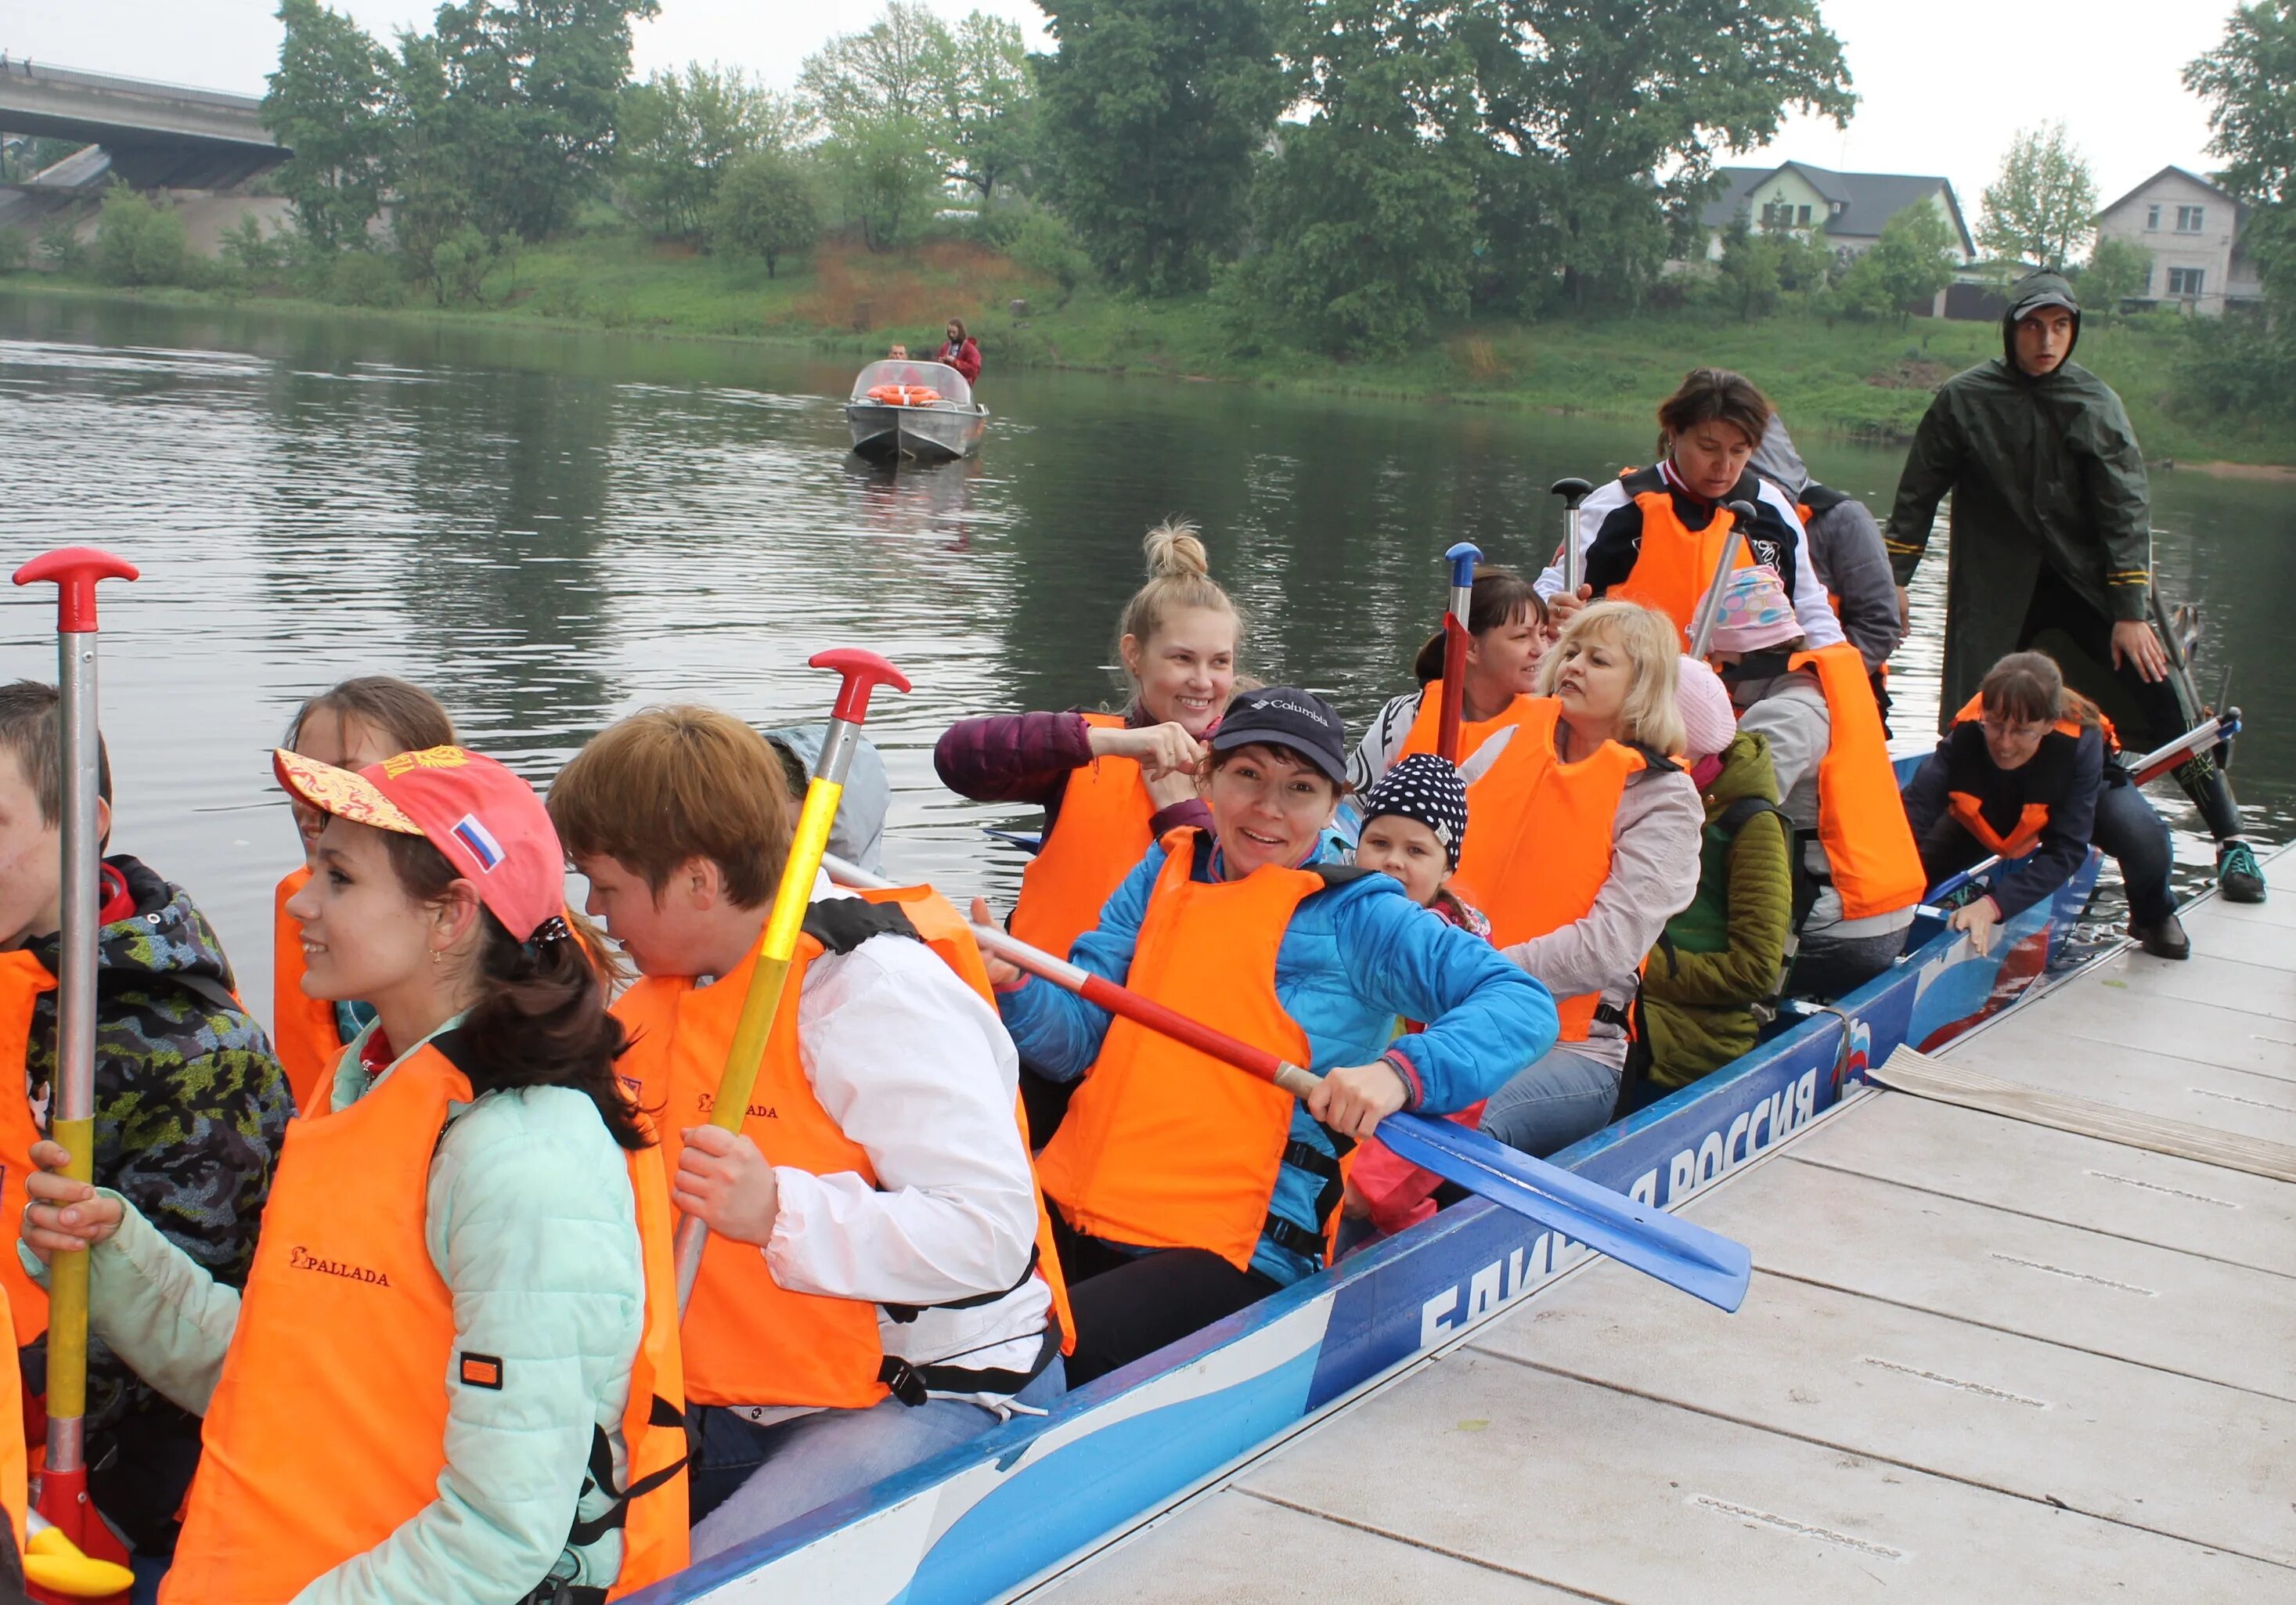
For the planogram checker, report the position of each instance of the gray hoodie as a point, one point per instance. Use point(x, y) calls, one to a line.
point(1845, 548)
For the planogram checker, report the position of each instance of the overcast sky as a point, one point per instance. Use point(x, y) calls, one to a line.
point(1943, 84)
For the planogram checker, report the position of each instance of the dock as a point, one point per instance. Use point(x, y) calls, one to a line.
point(1984, 1357)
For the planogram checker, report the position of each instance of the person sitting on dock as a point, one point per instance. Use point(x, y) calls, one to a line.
point(895, 1296)
point(1112, 785)
point(2029, 770)
point(960, 352)
point(1507, 634)
point(1585, 842)
point(1725, 954)
point(359, 722)
point(1185, 1191)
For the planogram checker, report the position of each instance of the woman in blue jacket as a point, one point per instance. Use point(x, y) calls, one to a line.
point(1186, 1190)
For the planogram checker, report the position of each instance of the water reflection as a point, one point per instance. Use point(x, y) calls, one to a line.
point(552, 530)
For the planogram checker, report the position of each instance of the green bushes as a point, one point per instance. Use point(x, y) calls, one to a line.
point(137, 243)
point(15, 250)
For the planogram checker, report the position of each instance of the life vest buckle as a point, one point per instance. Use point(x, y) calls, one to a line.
point(901, 1379)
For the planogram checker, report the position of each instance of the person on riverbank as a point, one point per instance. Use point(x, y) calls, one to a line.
point(960, 352)
point(2029, 769)
point(1414, 821)
point(2052, 544)
point(445, 1377)
point(189, 1103)
point(361, 721)
point(1585, 842)
point(886, 1290)
point(1185, 1190)
point(1847, 552)
point(1507, 635)
point(1112, 785)
point(1725, 954)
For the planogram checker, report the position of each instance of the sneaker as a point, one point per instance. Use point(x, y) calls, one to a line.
point(2166, 940)
point(2239, 876)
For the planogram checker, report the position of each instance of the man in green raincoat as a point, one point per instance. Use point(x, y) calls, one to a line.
point(2052, 543)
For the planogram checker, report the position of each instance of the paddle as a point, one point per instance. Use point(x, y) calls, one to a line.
point(863, 672)
point(1676, 1252)
point(74, 572)
point(1574, 561)
point(1709, 606)
point(1462, 558)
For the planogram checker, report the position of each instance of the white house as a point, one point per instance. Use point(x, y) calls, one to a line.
point(2192, 228)
point(1848, 210)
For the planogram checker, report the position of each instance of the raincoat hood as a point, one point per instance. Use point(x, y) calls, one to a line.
point(1776, 460)
point(2035, 291)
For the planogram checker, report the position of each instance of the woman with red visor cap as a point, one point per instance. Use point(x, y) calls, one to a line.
point(454, 1372)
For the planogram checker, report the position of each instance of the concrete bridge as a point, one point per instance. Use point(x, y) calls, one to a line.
point(157, 135)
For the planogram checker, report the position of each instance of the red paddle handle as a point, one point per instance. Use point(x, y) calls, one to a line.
point(75, 570)
point(1194, 1033)
point(863, 672)
point(1454, 687)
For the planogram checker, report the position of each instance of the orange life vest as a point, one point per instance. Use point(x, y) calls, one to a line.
point(1674, 563)
point(14, 1457)
point(326, 1431)
point(1861, 820)
point(1425, 729)
point(303, 1030)
point(22, 979)
point(1538, 838)
point(2050, 770)
point(1099, 834)
point(748, 1340)
point(1164, 1146)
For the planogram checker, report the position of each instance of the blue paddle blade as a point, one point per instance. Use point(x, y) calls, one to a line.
point(1703, 1264)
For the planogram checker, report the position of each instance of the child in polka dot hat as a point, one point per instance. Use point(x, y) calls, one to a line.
point(1414, 819)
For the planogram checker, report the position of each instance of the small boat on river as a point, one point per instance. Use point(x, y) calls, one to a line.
point(908, 411)
point(982, 1520)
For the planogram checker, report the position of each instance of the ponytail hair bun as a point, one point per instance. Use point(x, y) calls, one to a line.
point(1174, 550)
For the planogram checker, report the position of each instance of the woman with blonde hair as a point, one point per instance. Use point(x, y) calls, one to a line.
point(1603, 851)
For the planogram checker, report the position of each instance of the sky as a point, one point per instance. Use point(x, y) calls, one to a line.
point(1944, 85)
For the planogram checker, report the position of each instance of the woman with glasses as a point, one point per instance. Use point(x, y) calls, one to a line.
point(2032, 771)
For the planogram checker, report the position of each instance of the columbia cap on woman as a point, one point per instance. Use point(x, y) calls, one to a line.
point(1285, 716)
point(492, 827)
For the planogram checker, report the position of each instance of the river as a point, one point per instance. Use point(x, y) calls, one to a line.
point(549, 530)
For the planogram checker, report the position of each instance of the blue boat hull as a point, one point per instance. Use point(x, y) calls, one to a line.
point(981, 1520)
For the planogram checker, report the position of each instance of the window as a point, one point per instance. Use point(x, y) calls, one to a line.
point(2186, 281)
point(2152, 219)
point(1801, 216)
point(2188, 218)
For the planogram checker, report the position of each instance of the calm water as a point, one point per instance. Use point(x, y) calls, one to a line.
point(550, 531)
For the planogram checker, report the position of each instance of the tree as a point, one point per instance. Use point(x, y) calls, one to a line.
point(884, 176)
point(137, 243)
point(529, 90)
point(1367, 216)
point(1152, 112)
point(676, 133)
point(2043, 207)
point(1603, 118)
point(1749, 269)
point(1911, 262)
point(988, 103)
point(892, 70)
point(2244, 366)
point(764, 208)
point(326, 103)
point(2116, 270)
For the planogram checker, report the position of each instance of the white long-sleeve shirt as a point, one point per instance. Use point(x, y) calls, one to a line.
point(919, 1071)
point(1819, 627)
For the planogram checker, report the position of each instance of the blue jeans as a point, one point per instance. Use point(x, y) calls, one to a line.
point(1560, 1098)
point(749, 1480)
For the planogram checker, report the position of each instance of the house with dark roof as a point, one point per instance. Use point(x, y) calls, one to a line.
point(1846, 209)
point(2191, 229)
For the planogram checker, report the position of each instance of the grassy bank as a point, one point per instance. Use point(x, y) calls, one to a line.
point(1865, 380)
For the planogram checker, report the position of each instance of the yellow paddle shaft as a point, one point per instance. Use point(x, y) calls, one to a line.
point(68, 1288)
point(762, 1003)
